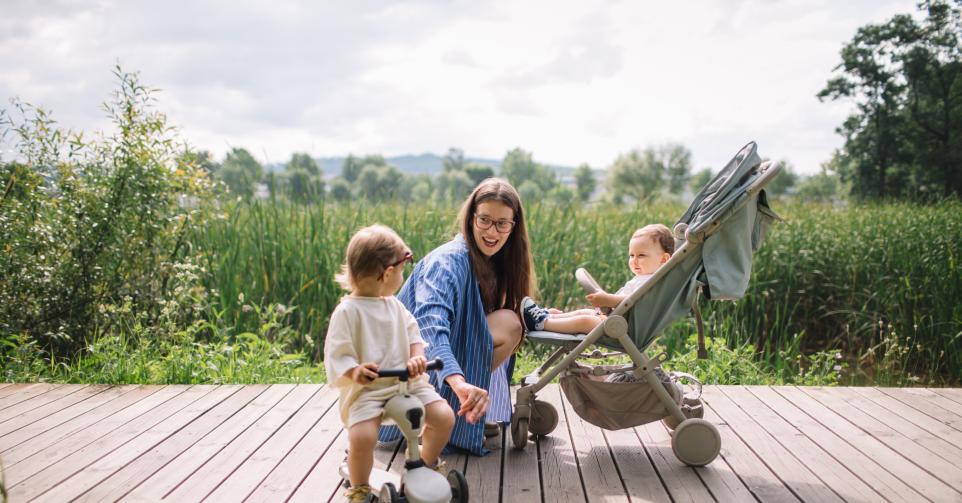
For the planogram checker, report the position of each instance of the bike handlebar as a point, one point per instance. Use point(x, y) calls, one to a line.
point(435, 364)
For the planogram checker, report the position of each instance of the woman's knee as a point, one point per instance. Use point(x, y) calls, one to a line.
point(505, 326)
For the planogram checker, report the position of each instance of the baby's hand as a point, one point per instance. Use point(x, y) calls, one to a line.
point(596, 299)
point(364, 373)
point(417, 365)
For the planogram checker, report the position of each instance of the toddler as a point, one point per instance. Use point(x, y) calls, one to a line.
point(371, 329)
point(649, 248)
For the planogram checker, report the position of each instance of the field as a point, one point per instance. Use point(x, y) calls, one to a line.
point(875, 290)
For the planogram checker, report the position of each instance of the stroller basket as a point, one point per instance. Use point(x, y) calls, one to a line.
point(612, 405)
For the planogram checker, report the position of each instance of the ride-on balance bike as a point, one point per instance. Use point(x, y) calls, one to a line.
point(418, 484)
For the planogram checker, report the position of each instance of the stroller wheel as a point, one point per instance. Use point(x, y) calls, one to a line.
point(696, 442)
point(690, 408)
point(519, 432)
point(544, 418)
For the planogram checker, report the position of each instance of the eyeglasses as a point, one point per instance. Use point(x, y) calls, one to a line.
point(485, 222)
point(408, 257)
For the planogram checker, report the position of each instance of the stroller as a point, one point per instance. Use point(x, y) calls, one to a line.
point(716, 238)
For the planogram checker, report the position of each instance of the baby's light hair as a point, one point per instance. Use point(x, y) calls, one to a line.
point(660, 234)
point(371, 250)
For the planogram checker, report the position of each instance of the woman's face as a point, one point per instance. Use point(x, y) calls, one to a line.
point(494, 214)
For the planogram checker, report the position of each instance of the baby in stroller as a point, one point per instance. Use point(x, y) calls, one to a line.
point(649, 248)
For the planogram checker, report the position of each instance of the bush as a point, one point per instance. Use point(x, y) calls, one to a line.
point(84, 224)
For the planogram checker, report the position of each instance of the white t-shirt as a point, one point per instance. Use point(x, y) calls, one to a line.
point(633, 284)
point(368, 329)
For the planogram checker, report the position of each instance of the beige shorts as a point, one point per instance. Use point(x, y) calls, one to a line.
point(370, 403)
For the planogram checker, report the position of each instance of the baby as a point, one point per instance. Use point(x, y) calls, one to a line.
point(371, 329)
point(649, 248)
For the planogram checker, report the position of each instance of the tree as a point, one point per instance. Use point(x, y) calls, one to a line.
point(303, 187)
point(453, 160)
point(341, 189)
point(677, 161)
point(303, 162)
point(477, 172)
point(453, 185)
point(530, 191)
point(351, 168)
point(699, 180)
point(585, 182)
point(637, 174)
point(240, 172)
point(818, 187)
point(905, 137)
point(379, 182)
point(785, 180)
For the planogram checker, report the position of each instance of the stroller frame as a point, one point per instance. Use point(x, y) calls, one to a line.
point(695, 441)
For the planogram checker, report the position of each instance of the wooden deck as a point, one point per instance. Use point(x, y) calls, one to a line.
point(284, 442)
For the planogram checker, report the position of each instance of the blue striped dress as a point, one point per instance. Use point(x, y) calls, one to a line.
point(442, 294)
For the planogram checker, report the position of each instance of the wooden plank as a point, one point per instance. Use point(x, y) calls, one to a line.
point(70, 475)
point(636, 470)
point(12, 388)
point(894, 415)
point(483, 474)
point(128, 472)
point(25, 392)
point(323, 483)
point(41, 413)
point(718, 476)
point(521, 479)
point(247, 476)
point(598, 473)
point(746, 465)
point(207, 477)
point(31, 438)
point(794, 474)
point(284, 479)
point(847, 455)
point(40, 404)
point(903, 446)
point(954, 394)
point(680, 480)
point(560, 473)
point(932, 395)
point(941, 409)
point(828, 469)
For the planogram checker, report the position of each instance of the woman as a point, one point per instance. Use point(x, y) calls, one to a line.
point(466, 295)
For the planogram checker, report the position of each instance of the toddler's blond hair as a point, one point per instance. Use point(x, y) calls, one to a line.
point(371, 250)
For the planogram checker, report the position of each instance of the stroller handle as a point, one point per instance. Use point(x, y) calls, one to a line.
point(402, 374)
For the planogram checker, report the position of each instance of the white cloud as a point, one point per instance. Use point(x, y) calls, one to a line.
point(576, 81)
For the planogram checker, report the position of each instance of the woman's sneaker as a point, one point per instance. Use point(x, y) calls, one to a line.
point(532, 315)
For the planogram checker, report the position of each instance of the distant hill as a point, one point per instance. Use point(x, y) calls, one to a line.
point(410, 164)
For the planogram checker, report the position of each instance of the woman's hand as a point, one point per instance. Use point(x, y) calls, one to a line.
point(474, 400)
point(417, 365)
point(364, 373)
point(552, 310)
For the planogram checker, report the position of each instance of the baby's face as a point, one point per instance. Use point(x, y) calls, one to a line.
point(645, 256)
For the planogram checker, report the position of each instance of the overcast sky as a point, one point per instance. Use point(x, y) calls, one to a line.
point(571, 82)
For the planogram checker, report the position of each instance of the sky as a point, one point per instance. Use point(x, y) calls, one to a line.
point(569, 81)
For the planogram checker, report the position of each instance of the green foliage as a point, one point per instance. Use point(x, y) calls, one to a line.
point(905, 77)
point(303, 162)
point(820, 187)
point(585, 182)
point(784, 182)
point(240, 172)
point(84, 223)
point(699, 180)
point(453, 186)
point(519, 167)
point(478, 172)
point(641, 174)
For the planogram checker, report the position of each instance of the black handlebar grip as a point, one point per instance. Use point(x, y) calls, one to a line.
point(435, 364)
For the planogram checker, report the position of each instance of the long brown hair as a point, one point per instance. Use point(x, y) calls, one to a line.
point(507, 276)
